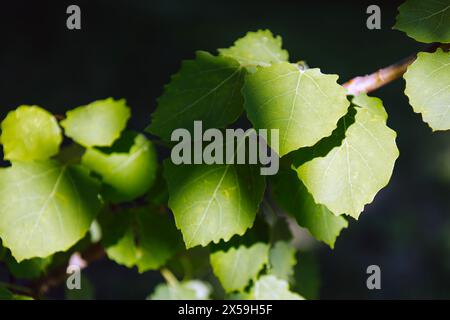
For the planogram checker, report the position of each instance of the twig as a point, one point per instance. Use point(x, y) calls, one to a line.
point(96, 252)
point(373, 81)
point(58, 275)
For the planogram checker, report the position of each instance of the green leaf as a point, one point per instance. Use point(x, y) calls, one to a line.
point(304, 105)
point(206, 89)
point(282, 260)
point(292, 196)
point(427, 87)
point(307, 276)
point(239, 296)
point(425, 21)
point(258, 48)
point(350, 175)
point(45, 207)
point(27, 269)
point(98, 123)
point(140, 237)
point(30, 133)
point(269, 287)
point(128, 169)
point(235, 268)
point(189, 290)
point(213, 202)
point(5, 294)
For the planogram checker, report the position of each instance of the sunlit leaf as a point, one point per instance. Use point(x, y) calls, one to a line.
point(428, 88)
point(304, 106)
point(213, 202)
point(237, 266)
point(98, 123)
point(30, 133)
point(270, 287)
point(350, 175)
point(128, 169)
point(425, 21)
point(45, 207)
point(258, 48)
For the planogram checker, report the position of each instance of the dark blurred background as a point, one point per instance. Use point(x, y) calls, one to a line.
point(130, 49)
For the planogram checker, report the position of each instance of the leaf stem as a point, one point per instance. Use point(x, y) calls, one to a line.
point(381, 77)
point(169, 277)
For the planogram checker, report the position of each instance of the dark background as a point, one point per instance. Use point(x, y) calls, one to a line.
point(130, 49)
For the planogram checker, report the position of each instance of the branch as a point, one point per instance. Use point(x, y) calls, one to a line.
point(380, 78)
point(58, 275)
point(357, 85)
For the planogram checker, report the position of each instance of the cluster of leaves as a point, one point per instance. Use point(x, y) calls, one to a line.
point(427, 79)
point(337, 153)
point(52, 195)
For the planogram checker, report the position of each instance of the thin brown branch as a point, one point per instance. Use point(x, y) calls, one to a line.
point(380, 78)
point(58, 275)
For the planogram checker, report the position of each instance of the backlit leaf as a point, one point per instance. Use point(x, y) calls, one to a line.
point(350, 175)
point(189, 290)
point(428, 88)
point(236, 267)
point(425, 21)
point(98, 123)
point(30, 133)
point(269, 287)
point(45, 207)
point(258, 48)
point(128, 169)
point(282, 260)
point(304, 105)
point(213, 202)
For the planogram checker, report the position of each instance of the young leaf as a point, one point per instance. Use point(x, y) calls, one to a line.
point(189, 290)
point(425, 21)
point(269, 287)
point(45, 207)
point(206, 89)
point(213, 202)
point(140, 237)
point(98, 123)
point(282, 260)
point(235, 268)
point(128, 168)
point(304, 105)
point(292, 196)
point(350, 175)
point(30, 133)
point(427, 86)
point(258, 48)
